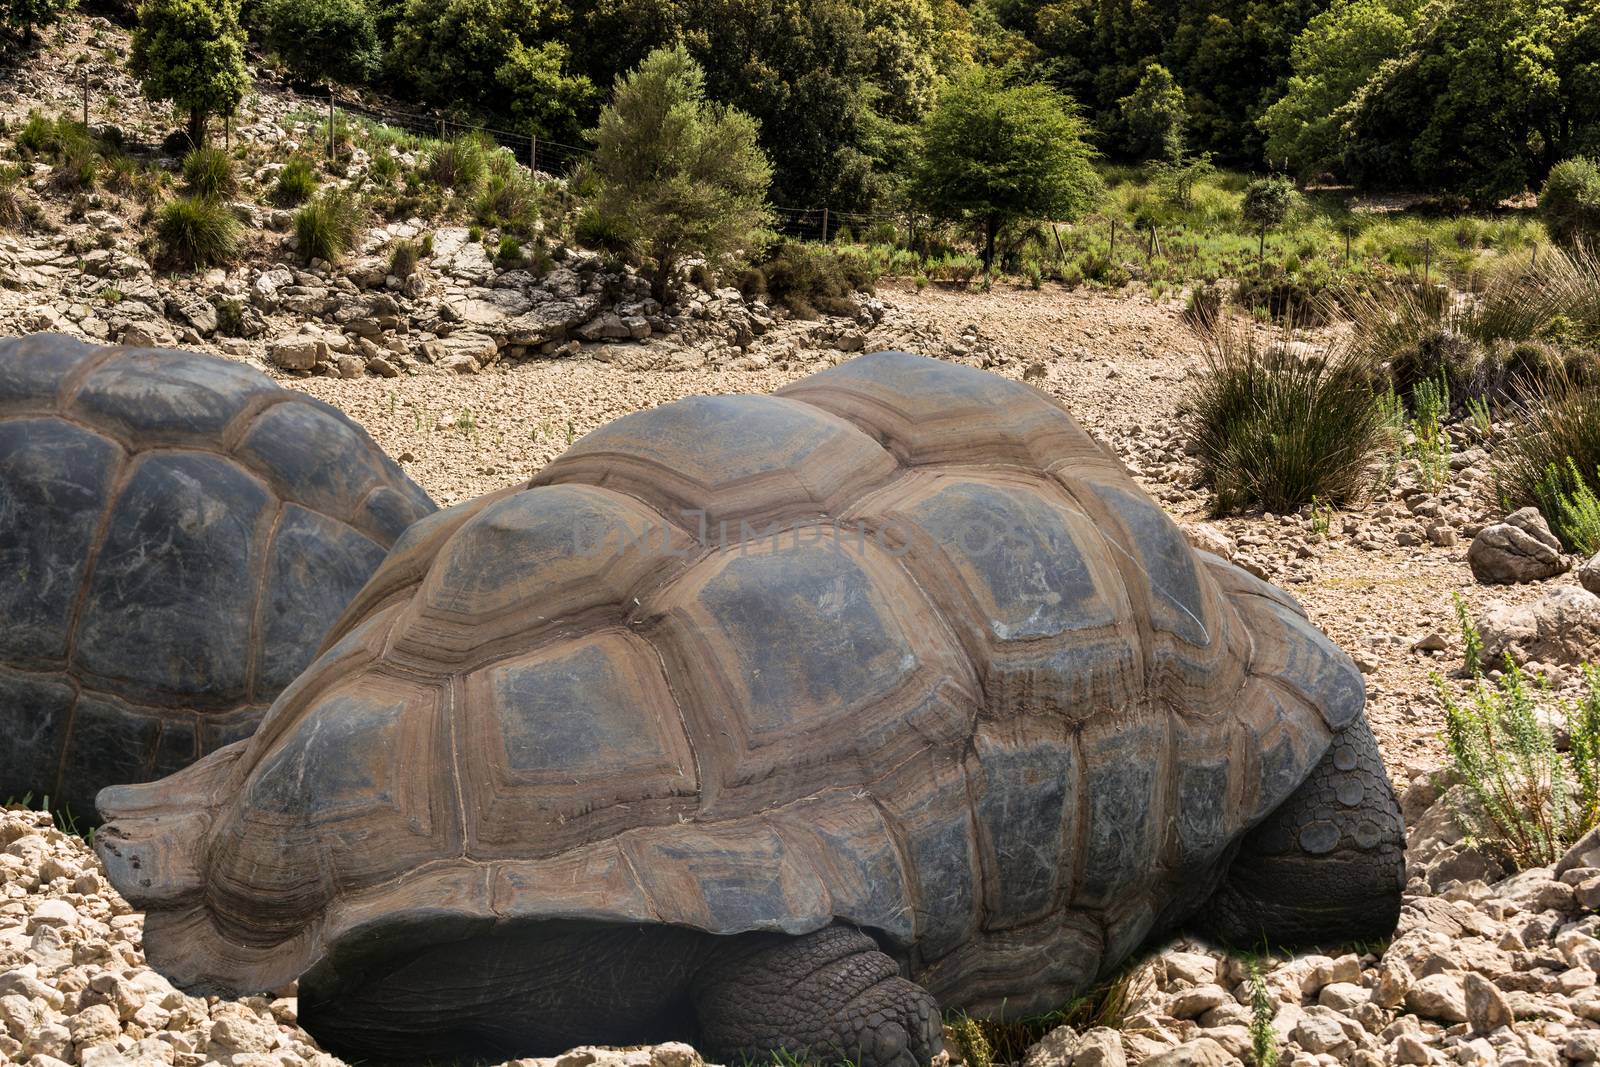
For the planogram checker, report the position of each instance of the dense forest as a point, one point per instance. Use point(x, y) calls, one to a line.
point(1475, 99)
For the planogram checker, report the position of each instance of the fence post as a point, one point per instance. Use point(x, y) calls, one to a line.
point(1062, 252)
point(1347, 247)
point(1427, 257)
point(824, 223)
point(533, 155)
point(332, 152)
point(1111, 256)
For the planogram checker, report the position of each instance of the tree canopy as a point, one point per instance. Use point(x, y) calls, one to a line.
point(191, 52)
point(993, 153)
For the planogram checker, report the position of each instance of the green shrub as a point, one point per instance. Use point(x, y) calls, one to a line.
point(1556, 428)
point(1430, 403)
point(1276, 429)
point(808, 278)
point(326, 227)
point(194, 231)
point(10, 196)
point(601, 231)
point(404, 258)
point(1268, 202)
point(1569, 203)
point(509, 254)
point(1574, 507)
point(509, 199)
point(1521, 800)
point(209, 172)
point(321, 40)
point(297, 182)
point(1263, 1009)
point(457, 165)
point(77, 167)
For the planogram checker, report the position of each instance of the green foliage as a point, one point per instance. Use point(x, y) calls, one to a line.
point(686, 174)
point(808, 278)
point(1569, 203)
point(1479, 414)
point(1484, 96)
point(1573, 506)
point(993, 154)
point(483, 56)
point(1522, 799)
point(11, 200)
point(509, 198)
point(1338, 51)
point(404, 257)
point(509, 253)
point(191, 52)
point(1552, 458)
point(1268, 202)
point(26, 16)
point(458, 165)
point(208, 172)
point(325, 228)
point(1154, 115)
point(297, 182)
point(1263, 1009)
point(1277, 429)
point(1430, 447)
point(322, 40)
point(196, 232)
point(970, 1041)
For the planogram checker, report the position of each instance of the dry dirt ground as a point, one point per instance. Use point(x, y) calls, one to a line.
point(1122, 363)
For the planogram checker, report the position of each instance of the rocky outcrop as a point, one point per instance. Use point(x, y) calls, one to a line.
point(1520, 548)
point(1562, 627)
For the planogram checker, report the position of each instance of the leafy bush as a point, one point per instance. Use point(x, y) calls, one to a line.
point(195, 231)
point(1268, 202)
point(1569, 203)
point(1557, 429)
point(509, 254)
point(322, 40)
point(457, 165)
point(1431, 403)
point(1276, 428)
point(297, 182)
point(326, 227)
point(1575, 507)
point(208, 172)
point(1522, 800)
point(808, 278)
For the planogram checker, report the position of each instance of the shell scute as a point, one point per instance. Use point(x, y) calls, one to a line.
point(167, 396)
point(33, 368)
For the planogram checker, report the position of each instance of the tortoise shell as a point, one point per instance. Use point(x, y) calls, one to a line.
point(177, 532)
point(900, 646)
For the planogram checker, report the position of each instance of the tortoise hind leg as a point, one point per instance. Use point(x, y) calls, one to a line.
point(821, 997)
point(1328, 865)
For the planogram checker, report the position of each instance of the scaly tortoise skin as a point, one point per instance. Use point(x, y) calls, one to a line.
point(177, 533)
point(773, 722)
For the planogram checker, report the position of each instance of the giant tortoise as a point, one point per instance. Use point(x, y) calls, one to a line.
point(177, 533)
point(773, 723)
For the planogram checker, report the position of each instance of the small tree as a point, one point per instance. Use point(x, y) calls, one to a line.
point(322, 40)
point(685, 175)
point(1569, 203)
point(993, 154)
point(1267, 204)
point(191, 52)
point(28, 15)
point(1154, 114)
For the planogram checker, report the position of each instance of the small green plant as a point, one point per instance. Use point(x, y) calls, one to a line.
point(404, 257)
point(297, 183)
point(466, 423)
point(196, 232)
point(1471, 639)
point(10, 196)
point(1321, 517)
point(1263, 1008)
point(111, 294)
point(1573, 507)
point(230, 318)
point(1481, 417)
point(457, 165)
point(1522, 799)
point(208, 172)
point(1555, 428)
point(1430, 402)
point(971, 1042)
point(509, 254)
point(326, 227)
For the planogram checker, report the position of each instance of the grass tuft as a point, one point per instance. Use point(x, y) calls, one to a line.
point(1553, 454)
point(208, 172)
point(297, 183)
point(196, 232)
point(326, 228)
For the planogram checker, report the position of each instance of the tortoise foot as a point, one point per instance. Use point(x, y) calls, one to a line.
point(823, 997)
point(1328, 865)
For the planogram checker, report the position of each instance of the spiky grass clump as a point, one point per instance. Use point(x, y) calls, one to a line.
point(1522, 800)
point(10, 197)
point(509, 199)
point(196, 232)
point(209, 172)
point(326, 228)
point(297, 182)
point(1277, 428)
point(457, 165)
point(1553, 452)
